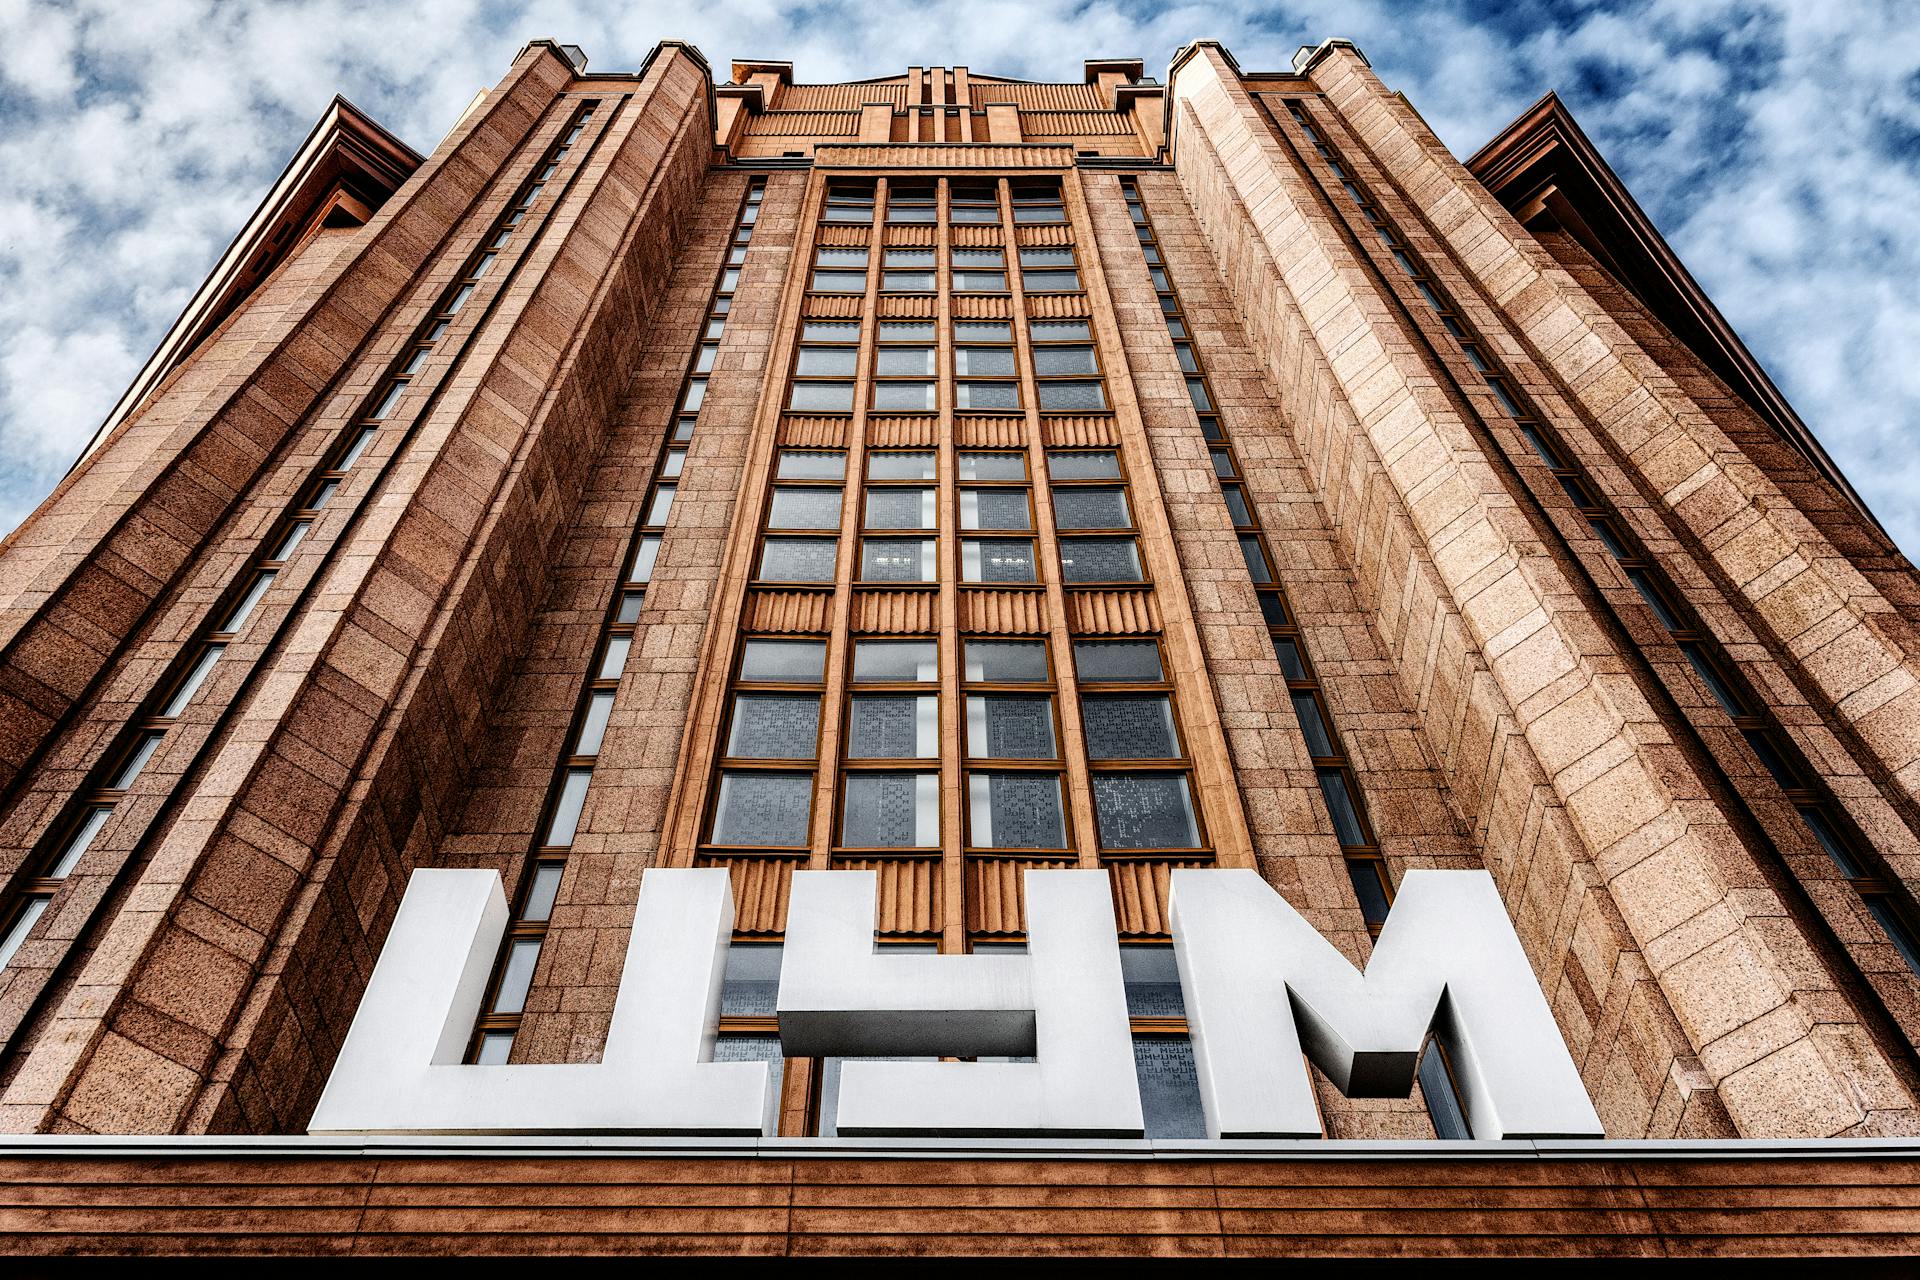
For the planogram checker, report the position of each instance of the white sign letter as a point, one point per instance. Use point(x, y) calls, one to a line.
point(1064, 1002)
point(1262, 986)
point(401, 1070)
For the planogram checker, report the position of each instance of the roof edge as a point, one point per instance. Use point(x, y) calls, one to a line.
point(1545, 147)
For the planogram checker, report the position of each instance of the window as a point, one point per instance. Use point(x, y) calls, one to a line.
point(900, 464)
point(1066, 367)
point(848, 202)
point(1048, 269)
point(808, 508)
point(892, 717)
point(810, 464)
point(900, 508)
point(975, 203)
point(797, 560)
point(764, 809)
point(839, 270)
point(911, 203)
point(1099, 560)
point(774, 726)
point(908, 271)
point(979, 270)
point(998, 560)
point(983, 366)
point(1014, 789)
point(884, 560)
point(1137, 811)
point(1038, 202)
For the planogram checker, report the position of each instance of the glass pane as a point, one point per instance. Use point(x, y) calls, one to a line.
point(645, 553)
point(517, 976)
point(1091, 509)
point(30, 912)
point(1078, 465)
point(1010, 727)
point(839, 282)
point(908, 397)
point(291, 539)
point(542, 892)
point(893, 726)
point(1169, 1087)
point(1153, 982)
point(1114, 661)
point(896, 560)
point(1313, 726)
point(979, 281)
point(997, 560)
point(593, 725)
point(662, 505)
point(826, 362)
point(1292, 664)
point(910, 258)
point(836, 256)
point(822, 397)
point(1346, 817)
point(1273, 608)
point(136, 759)
point(907, 281)
point(1130, 727)
point(775, 726)
point(752, 980)
point(566, 808)
point(762, 808)
point(798, 560)
point(830, 331)
point(237, 616)
point(78, 842)
point(1237, 508)
point(495, 1048)
point(1099, 560)
point(1197, 392)
point(994, 509)
point(1007, 661)
point(906, 331)
point(983, 362)
point(1015, 811)
point(191, 682)
point(1072, 397)
point(1046, 256)
point(1443, 1104)
point(904, 362)
point(784, 660)
point(900, 508)
point(673, 464)
point(1064, 360)
point(997, 332)
point(990, 259)
point(993, 466)
point(1368, 891)
point(809, 464)
point(1059, 331)
point(1256, 558)
point(896, 464)
point(889, 660)
point(986, 395)
point(1829, 839)
point(1144, 811)
point(891, 811)
point(613, 659)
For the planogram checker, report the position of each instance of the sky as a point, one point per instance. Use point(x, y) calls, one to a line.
point(1776, 143)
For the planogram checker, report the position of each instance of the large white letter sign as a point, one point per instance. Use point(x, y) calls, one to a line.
point(1262, 985)
point(401, 1069)
point(1064, 1002)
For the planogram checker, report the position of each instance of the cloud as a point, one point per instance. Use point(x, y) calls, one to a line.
point(1776, 143)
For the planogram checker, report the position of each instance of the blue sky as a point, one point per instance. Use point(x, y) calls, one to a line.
point(1775, 142)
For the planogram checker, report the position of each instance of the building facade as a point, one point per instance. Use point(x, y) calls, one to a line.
point(949, 477)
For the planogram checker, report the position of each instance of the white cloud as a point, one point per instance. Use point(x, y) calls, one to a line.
point(1777, 142)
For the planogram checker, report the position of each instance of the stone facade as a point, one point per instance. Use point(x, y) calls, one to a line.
point(1580, 601)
